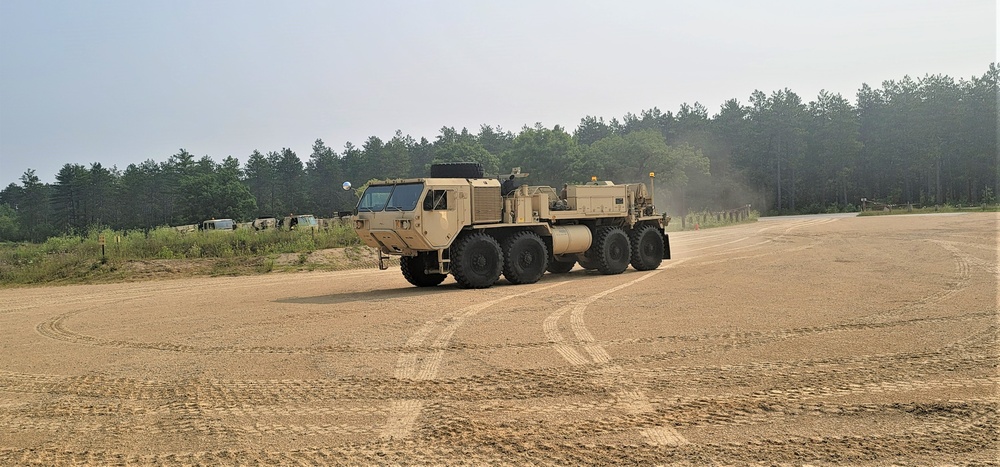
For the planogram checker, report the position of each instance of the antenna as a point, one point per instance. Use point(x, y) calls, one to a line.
point(652, 194)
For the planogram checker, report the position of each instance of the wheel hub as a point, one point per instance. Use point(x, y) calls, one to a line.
point(616, 251)
point(479, 262)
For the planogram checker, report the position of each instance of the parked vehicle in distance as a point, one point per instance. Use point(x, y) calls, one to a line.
point(301, 221)
point(264, 223)
point(217, 224)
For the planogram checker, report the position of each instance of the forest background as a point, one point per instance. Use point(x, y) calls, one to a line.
point(924, 141)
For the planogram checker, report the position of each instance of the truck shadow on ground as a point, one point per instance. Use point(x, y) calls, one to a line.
point(379, 295)
point(403, 292)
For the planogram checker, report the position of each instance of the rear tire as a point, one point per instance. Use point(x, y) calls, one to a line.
point(611, 250)
point(476, 261)
point(415, 271)
point(588, 264)
point(560, 267)
point(647, 248)
point(525, 258)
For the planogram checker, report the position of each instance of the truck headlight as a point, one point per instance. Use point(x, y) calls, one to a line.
point(359, 224)
point(404, 224)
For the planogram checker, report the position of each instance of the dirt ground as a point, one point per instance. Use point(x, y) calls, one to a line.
point(822, 340)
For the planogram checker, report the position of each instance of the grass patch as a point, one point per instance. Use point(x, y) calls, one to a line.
point(138, 254)
point(930, 210)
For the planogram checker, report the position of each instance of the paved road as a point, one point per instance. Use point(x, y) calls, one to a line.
point(821, 339)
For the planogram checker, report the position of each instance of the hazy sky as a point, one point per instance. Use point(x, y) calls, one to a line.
point(122, 81)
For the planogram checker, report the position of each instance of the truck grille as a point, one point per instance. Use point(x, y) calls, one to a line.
point(486, 205)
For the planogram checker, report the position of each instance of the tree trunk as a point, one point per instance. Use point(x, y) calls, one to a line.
point(778, 173)
point(937, 184)
point(791, 190)
point(845, 192)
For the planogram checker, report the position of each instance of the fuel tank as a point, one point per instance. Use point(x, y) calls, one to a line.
point(569, 239)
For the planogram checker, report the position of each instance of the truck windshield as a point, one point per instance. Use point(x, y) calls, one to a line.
point(374, 198)
point(391, 197)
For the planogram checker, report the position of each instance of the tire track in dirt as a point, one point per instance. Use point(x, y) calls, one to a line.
point(725, 409)
point(919, 417)
point(745, 413)
point(961, 280)
point(136, 291)
point(627, 403)
point(712, 240)
point(976, 438)
point(751, 408)
point(98, 386)
point(990, 267)
point(633, 400)
point(55, 329)
point(730, 251)
point(717, 410)
point(202, 427)
point(870, 368)
point(403, 414)
point(504, 384)
point(750, 338)
point(64, 408)
point(551, 326)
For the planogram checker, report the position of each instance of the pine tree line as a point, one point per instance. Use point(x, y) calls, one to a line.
point(926, 141)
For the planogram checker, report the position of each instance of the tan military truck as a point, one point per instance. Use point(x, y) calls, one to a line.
point(475, 228)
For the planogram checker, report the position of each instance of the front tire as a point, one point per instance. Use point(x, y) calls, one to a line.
point(415, 271)
point(647, 248)
point(525, 258)
point(612, 250)
point(476, 261)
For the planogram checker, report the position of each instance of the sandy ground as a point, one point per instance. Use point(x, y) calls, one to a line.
point(823, 340)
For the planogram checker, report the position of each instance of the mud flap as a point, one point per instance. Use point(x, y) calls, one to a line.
point(666, 246)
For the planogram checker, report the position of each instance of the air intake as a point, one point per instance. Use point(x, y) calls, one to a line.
point(486, 204)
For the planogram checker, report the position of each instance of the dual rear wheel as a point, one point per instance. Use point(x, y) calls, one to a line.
point(647, 248)
point(610, 252)
point(614, 249)
point(477, 259)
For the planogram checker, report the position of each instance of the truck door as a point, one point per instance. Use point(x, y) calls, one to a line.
point(440, 217)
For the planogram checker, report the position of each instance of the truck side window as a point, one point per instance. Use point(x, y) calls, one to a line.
point(436, 200)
